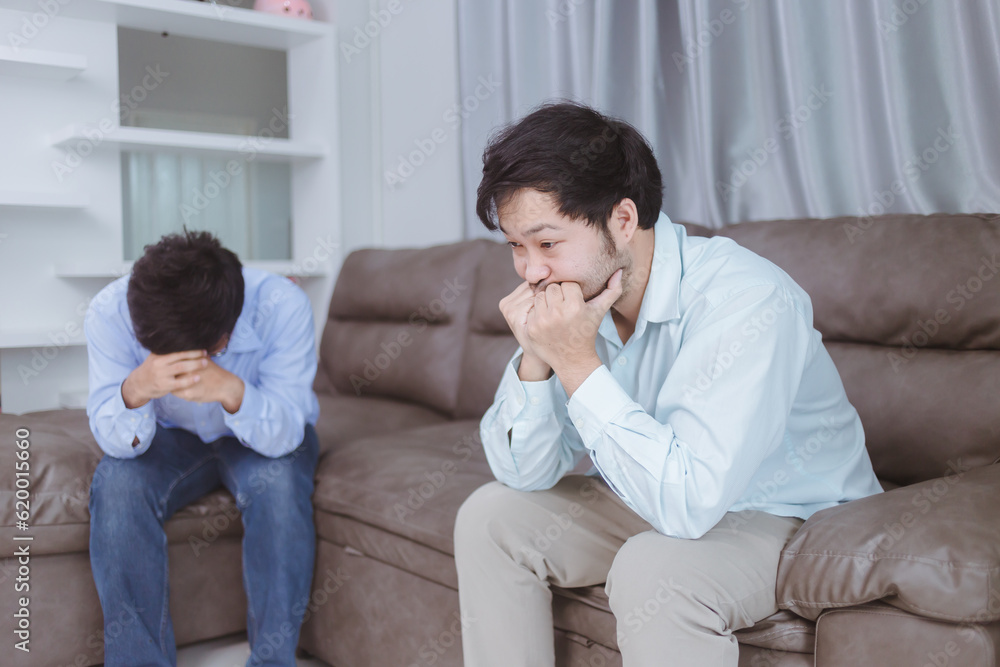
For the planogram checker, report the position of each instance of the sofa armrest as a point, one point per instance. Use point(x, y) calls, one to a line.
point(932, 549)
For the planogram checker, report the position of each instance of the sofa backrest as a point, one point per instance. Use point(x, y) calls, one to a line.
point(398, 321)
point(490, 343)
point(909, 308)
point(908, 305)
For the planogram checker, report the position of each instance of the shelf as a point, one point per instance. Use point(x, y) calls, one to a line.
point(284, 267)
point(203, 20)
point(43, 200)
point(40, 64)
point(73, 399)
point(41, 338)
point(99, 271)
point(189, 143)
point(281, 267)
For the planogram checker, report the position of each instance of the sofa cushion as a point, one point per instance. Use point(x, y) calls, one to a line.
point(398, 321)
point(932, 549)
point(344, 419)
point(587, 612)
point(921, 416)
point(63, 458)
point(877, 634)
point(409, 483)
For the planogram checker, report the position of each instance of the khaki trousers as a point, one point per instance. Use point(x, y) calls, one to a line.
point(676, 601)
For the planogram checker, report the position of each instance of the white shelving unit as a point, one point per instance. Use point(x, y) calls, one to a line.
point(189, 143)
point(218, 23)
point(37, 64)
point(286, 268)
point(43, 200)
point(39, 338)
point(73, 399)
point(50, 276)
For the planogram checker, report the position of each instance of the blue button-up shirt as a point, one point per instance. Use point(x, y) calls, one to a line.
point(272, 349)
point(723, 399)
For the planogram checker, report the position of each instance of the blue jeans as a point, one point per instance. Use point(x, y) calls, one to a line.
point(130, 499)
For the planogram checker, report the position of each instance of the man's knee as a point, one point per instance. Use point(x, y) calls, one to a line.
point(117, 492)
point(286, 479)
point(480, 510)
point(649, 576)
point(114, 480)
point(656, 579)
point(275, 486)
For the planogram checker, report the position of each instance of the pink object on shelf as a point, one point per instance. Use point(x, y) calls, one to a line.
point(297, 8)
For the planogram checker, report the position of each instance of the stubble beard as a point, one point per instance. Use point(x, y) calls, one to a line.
point(610, 260)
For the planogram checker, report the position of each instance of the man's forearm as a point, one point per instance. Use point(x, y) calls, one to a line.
point(573, 374)
point(131, 393)
point(533, 369)
point(233, 397)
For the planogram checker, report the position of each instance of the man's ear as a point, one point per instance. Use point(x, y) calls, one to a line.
point(624, 221)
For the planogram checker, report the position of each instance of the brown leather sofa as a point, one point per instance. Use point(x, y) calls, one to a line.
point(410, 358)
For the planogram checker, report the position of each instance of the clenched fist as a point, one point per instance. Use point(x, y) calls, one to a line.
point(557, 329)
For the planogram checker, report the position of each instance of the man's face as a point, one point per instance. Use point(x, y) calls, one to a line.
point(551, 248)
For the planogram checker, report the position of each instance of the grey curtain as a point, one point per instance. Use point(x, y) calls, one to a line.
point(758, 109)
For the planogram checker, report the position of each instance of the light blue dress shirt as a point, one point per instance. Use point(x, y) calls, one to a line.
point(723, 399)
point(272, 349)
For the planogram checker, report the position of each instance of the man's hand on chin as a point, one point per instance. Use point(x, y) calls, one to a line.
point(562, 328)
point(214, 383)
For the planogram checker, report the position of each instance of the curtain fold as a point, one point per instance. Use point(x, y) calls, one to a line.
point(760, 110)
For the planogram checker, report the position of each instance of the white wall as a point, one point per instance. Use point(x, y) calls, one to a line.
point(399, 78)
point(35, 304)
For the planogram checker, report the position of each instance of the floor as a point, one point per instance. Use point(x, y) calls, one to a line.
point(229, 651)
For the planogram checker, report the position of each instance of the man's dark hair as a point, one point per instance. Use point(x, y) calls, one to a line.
point(185, 293)
point(586, 161)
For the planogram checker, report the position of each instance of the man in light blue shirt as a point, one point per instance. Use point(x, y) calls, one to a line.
point(687, 369)
point(201, 377)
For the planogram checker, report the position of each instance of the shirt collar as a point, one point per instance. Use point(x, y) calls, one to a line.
point(661, 300)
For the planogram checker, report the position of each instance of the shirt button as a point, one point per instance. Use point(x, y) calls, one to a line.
point(236, 422)
point(622, 361)
point(535, 400)
point(520, 400)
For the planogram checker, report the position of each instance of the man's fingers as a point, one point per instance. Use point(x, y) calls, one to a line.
point(554, 293)
point(189, 366)
point(184, 381)
point(175, 357)
point(571, 291)
point(517, 299)
point(519, 292)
